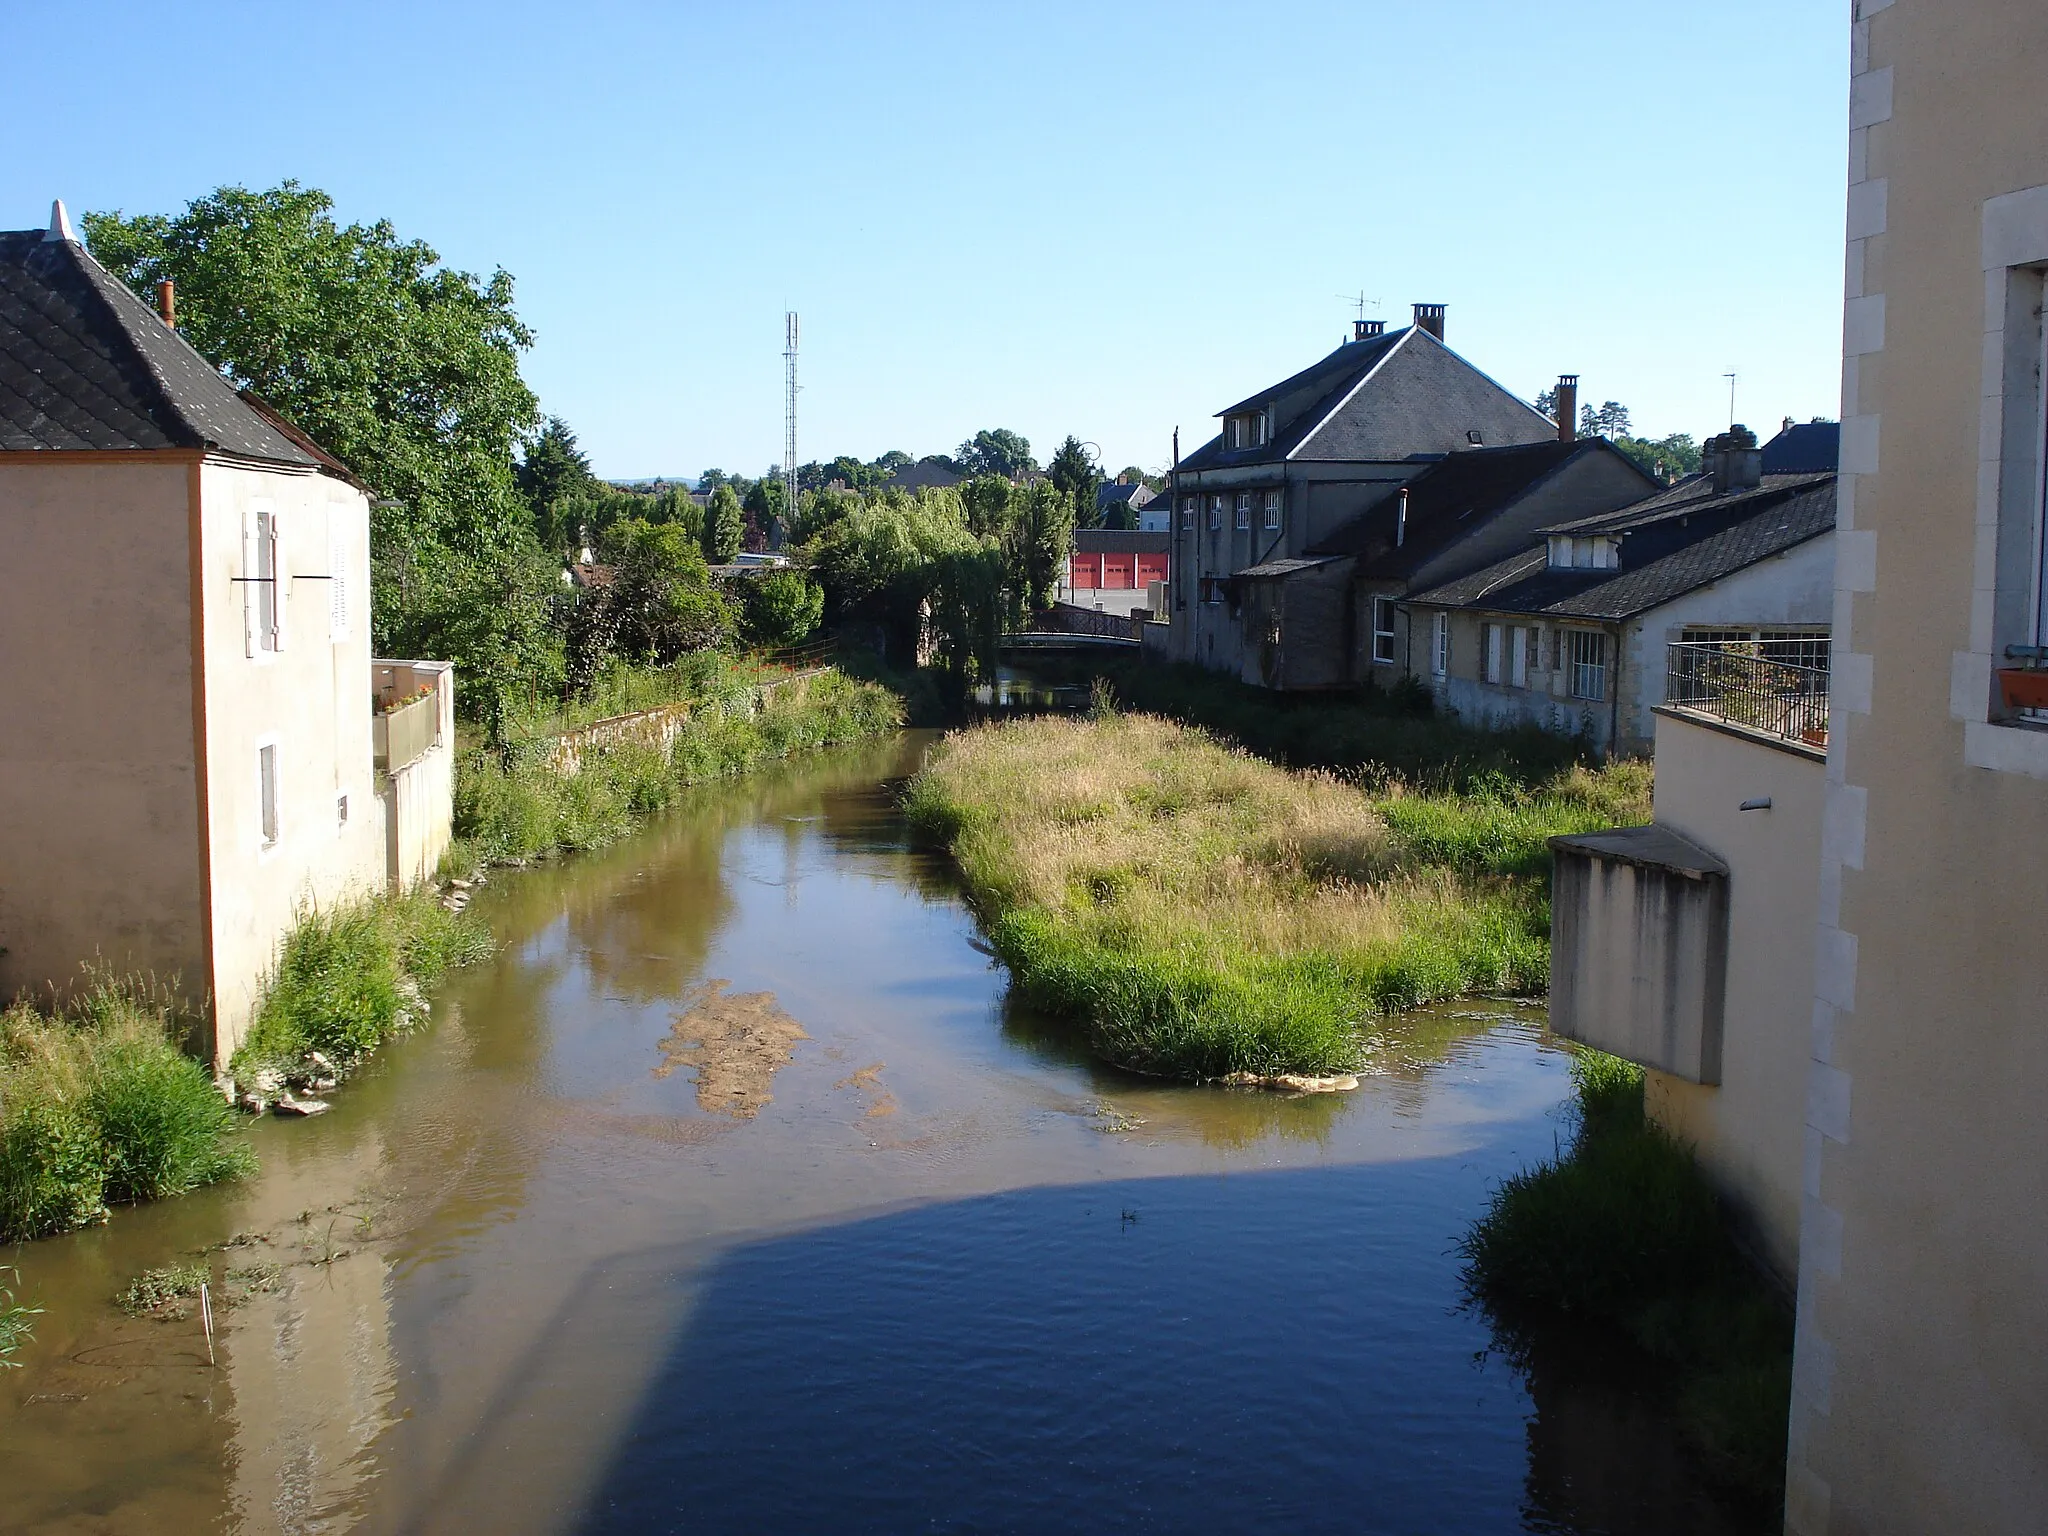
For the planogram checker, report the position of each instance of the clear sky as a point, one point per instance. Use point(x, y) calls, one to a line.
point(1108, 218)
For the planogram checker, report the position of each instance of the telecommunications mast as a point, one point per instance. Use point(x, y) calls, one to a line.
point(789, 421)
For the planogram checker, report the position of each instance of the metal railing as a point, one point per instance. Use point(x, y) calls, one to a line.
point(1735, 682)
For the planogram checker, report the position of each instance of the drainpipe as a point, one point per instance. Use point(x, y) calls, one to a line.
point(1614, 700)
point(1401, 520)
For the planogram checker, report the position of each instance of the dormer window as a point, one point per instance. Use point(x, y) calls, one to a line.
point(1247, 430)
point(1595, 552)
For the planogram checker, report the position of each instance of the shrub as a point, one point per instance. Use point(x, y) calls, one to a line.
point(98, 1104)
point(782, 608)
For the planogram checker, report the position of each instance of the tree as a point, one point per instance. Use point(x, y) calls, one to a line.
point(1609, 420)
point(1077, 477)
point(1668, 458)
point(405, 370)
point(996, 451)
point(782, 608)
point(765, 504)
point(552, 467)
point(890, 462)
point(710, 481)
point(1042, 540)
point(659, 605)
point(985, 505)
point(725, 526)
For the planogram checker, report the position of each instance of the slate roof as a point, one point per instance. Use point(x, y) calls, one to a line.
point(1272, 570)
point(1447, 500)
point(1111, 494)
point(85, 364)
point(925, 474)
point(1811, 447)
point(1104, 541)
point(1387, 398)
point(1669, 554)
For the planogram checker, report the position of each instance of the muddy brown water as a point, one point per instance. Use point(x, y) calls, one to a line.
point(735, 1196)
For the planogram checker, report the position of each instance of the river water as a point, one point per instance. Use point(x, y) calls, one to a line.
point(734, 1196)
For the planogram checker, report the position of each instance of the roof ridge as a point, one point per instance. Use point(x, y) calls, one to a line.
point(174, 422)
point(1401, 339)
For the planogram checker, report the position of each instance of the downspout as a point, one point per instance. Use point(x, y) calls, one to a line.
point(1614, 703)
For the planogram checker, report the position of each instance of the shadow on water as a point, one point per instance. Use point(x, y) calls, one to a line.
point(1276, 1351)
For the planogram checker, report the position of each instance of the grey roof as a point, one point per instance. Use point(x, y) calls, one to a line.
point(1113, 493)
point(1389, 398)
point(85, 364)
point(1121, 540)
point(1690, 497)
point(925, 474)
point(1651, 847)
point(1662, 559)
point(1809, 447)
point(1274, 569)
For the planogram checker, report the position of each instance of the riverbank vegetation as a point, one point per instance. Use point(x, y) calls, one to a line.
point(99, 1106)
point(1621, 1239)
point(17, 1318)
point(349, 979)
point(526, 801)
point(1204, 913)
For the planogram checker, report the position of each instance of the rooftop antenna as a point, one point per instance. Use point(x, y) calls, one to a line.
point(1731, 397)
point(1360, 300)
point(789, 418)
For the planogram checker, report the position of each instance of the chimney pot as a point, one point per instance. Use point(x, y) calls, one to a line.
point(1430, 318)
point(1567, 407)
point(167, 302)
point(1366, 330)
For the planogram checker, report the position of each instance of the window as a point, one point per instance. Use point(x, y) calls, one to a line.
point(1273, 509)
point(1584, 554)
point(1246, 431)
point(263, 581)
point(1589, 664)
point(340, 811)
point(1490, 654)
point(266, 775)
point(1190, 513)
point(1795, 647)
point(337, 576)
point(1518, 656)
point(1383, 629)
point(1212, 589)
point(1244, 509)
point(1215, 513)
point(1440, 644)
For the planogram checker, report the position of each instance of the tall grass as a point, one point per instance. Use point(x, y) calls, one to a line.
point(522, 808)
point(1623, 1236)
point(98, 1105)
point(348, 979)
point(17, 1320)
point(1203, 912)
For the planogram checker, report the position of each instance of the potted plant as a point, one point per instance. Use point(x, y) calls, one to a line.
point(2024, 686)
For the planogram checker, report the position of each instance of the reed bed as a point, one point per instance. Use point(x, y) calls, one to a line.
point(1204, 913)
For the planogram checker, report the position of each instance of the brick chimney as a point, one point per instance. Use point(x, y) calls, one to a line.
point(1734, 460)
point(1367, 330)
point(1567, 407)
point(167, 303)
point(1430, 317)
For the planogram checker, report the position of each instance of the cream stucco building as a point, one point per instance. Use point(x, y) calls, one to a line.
point(189, 748)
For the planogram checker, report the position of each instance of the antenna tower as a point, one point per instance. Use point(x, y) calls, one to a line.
point(789, 418)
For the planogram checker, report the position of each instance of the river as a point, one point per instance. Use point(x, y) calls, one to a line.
point(735, 1196)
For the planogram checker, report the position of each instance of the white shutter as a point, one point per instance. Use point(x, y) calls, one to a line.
point(1518, 659)
point(252, 594)
point(337, 575)
point(278, 582)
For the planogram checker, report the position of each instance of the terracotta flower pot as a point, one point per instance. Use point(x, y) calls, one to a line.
point(2023, 687)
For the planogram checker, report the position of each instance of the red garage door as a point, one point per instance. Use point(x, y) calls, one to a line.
point(1151, 568)
point(1117, 571)
point(1084, 571)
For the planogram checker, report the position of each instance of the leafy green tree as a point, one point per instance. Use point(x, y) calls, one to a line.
point(996, 451)
point(553, 467)
point(1077, 477)
point(1668, 458)
point(765, 506)
point(711, 480)
point(985, 503)
point(890, 462)
point(405, 370)
point(782, 608)
point(1609, 420)
point(725, 526)
point(659, 604)
point(1042, 541)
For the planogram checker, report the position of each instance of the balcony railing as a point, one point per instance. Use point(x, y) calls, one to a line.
point(1734, 682)
point(407, 711)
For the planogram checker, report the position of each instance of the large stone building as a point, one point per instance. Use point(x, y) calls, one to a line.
point(194, 740)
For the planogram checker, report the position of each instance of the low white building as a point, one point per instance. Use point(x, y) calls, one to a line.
point(1575, 633)
point(195, 744)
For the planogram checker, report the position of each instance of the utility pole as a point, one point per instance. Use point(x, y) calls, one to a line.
point(789, 420)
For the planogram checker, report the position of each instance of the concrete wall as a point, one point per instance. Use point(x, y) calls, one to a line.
point(311, 699)
point(99, 795)
point(1920, 1380)
point(1746, 1130)
point(418, 799)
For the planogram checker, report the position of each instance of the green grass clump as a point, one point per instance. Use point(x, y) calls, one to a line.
point(99, 1105)
point(348, 979)
point(17, 1322)
point(517, 806)
point(154, 1288)
point(1204, 913)
point(1622, 1236)
point(1501, 828)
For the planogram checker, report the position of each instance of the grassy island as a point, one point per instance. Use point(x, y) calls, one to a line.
point(1203, 913)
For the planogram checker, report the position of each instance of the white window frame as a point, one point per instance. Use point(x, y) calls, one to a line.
point(1273, 499)
point(1383, 610)
point(1216, 512)
point(1244, 511)
point(269, 793)
point(1588, 677)
point(1440, 644)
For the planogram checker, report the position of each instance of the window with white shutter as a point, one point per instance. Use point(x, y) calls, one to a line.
point(252, 590)
point(263, 581)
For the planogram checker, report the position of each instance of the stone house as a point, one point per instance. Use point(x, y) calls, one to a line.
point(1573, 631)
point(197, 742)
point(1299, 460)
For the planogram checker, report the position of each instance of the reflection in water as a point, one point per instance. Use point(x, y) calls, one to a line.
point(948, 1272)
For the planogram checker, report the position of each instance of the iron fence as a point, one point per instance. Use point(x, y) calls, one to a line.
point(1737, 683)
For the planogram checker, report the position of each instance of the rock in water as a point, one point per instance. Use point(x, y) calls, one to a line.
point(291, 1106)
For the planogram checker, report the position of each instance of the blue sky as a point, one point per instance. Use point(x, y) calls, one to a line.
point(1110, 219)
